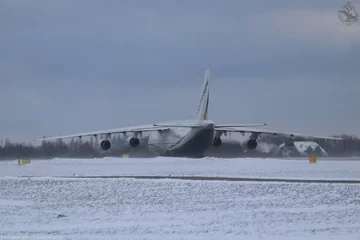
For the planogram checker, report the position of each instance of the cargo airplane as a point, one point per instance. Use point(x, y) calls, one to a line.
point(185, 138)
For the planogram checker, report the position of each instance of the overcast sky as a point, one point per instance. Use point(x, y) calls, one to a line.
point(73, 66)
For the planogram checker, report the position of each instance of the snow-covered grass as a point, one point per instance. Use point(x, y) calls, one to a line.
point(47, 206)
point(57, 208)
point(241, 167)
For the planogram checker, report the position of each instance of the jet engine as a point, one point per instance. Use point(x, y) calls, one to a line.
point(217, 142)
point(105, 145)
point(251, 144)
point(133, 142)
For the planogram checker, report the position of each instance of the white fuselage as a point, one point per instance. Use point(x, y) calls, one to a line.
point(183, 141)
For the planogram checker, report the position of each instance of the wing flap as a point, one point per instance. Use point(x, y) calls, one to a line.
point(148, 128)
point(272, 132)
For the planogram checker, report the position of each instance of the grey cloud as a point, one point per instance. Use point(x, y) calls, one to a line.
point(67, 65)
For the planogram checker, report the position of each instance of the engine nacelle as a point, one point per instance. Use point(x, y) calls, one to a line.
point(251, 144)
point(105, 145)
point(217, 142)
point(133, 142)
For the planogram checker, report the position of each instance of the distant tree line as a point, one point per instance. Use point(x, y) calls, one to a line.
point(77, 148)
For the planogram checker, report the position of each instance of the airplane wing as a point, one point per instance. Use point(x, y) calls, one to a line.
point(271, 132)
point(124, 130)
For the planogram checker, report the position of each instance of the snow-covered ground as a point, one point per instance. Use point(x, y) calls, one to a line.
point(48, 207)
point(241, 167)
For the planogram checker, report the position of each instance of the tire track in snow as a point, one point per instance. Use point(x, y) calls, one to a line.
point(233, 179)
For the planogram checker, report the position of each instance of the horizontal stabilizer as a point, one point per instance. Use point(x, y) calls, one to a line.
point(239, 125)
point(177, 125)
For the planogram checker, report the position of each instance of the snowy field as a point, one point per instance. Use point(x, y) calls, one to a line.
point(49, 204)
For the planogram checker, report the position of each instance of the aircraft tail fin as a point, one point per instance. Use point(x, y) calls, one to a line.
point(203, 108)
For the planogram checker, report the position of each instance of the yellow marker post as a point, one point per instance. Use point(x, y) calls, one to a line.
point(23, 161)
point(312, 159)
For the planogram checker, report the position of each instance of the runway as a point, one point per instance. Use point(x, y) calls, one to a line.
point(244, 168)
